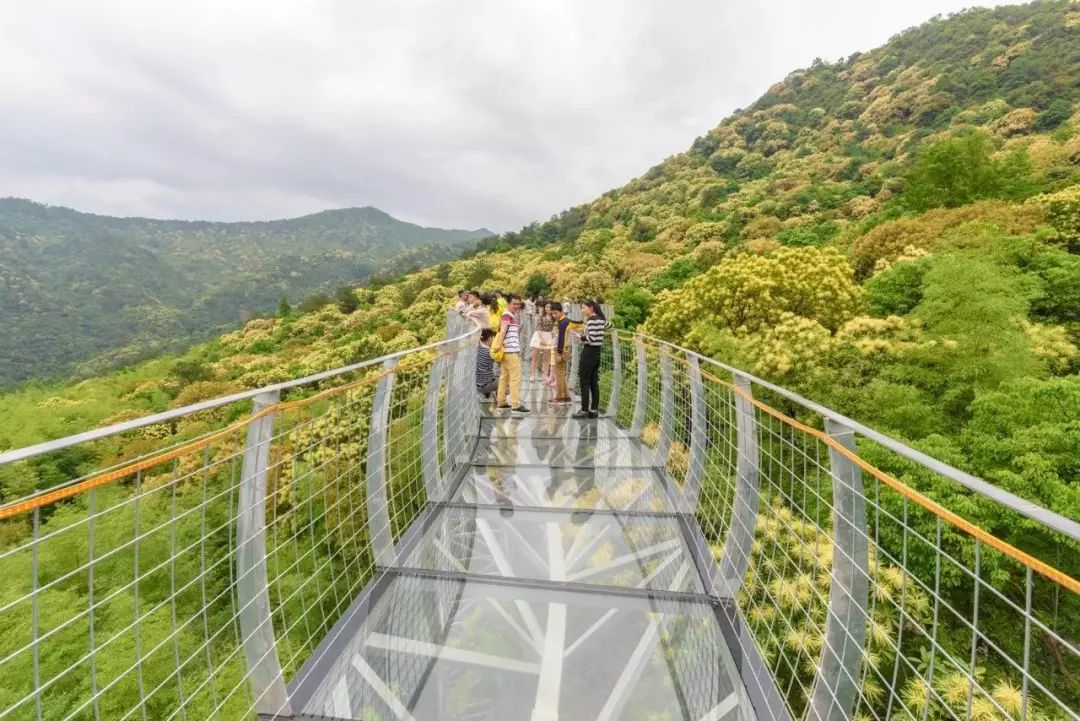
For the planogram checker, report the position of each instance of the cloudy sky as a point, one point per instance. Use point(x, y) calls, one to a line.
point(465, 114)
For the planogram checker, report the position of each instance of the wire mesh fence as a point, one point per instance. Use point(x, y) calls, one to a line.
point(190, 565)
point(865, 597)
point(199, 565)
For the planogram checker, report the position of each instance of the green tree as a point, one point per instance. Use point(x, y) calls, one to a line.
point(960, 170)
point(537, 285)
point(1057, 113)
point(897, 290)
point(442, 273)
point(972, 306)
point(676, 273)
point(191, 371)
point(283, 308)
point(748, 293)
point(346, 299)
point(632, 303)
point(478, 274)
point(314, 302)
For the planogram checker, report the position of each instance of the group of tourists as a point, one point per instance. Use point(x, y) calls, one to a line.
point(501, 350)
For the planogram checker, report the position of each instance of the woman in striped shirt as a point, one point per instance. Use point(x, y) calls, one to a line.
point(589, 369)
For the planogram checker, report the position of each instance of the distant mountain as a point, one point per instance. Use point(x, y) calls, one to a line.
point(86, 292)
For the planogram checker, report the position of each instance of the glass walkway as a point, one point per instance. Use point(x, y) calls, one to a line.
point(371, 543)
point(557, 582)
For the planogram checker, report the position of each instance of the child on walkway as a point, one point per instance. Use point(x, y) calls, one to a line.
point(486, 382)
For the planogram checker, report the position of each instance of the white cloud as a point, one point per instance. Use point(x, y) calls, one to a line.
point(452, 113)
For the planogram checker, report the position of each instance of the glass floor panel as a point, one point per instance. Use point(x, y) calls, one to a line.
point(617, 489)
point(547, 426)
point(455, 650)
point(580, 451)
point(645, 552)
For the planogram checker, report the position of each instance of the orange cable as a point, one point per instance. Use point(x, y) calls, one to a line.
point(105, 477)
point(1042, 568)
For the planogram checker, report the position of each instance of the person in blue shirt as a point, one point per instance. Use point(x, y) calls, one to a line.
point(563, 326)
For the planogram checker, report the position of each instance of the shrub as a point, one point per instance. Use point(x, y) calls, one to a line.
point(537, 285)
point(960, 170)
point(888, 240)
point(749, 292)
point(1057, 113)
point(676, 274)
point(897, 290)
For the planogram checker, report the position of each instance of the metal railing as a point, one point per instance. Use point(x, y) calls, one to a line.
point(859, 594)
point(192, 564)
point(195, 573)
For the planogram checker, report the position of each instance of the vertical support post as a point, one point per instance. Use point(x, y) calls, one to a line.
point(640, 399)
point(447, 415)
point(252, 591)
point(454, 408)
point(378, 503)
point(699, 434)
point(469, 425)
point(429, 432)
point(667, 406)
point(616, 376)
point(836, 686)
point(744, 512)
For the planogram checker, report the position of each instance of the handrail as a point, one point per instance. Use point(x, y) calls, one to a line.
point(64, 491)
point(861, 600)
point(20, 454)
point(1034, 511)
point(1040, 566)
point(257, 536)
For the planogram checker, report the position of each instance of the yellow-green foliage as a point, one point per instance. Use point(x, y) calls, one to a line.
point(1063, 213)
point(750, 293)
point(891, 239)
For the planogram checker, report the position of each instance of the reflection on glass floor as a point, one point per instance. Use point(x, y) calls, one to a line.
point(576, 451)
point(604, 549)
point(451, 650)
point(547, 426)
point(616, 489)
point(554, 584)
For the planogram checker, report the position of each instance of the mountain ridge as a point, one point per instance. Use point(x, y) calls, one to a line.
point(82, 292)
point(366, 211)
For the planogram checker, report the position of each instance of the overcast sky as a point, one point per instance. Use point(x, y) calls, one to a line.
point(460, 114)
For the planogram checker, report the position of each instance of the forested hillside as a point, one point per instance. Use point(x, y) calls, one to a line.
point(82, 292)
point(895, 235)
